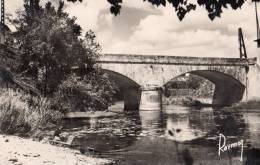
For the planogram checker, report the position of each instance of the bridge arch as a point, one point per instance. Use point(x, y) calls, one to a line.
point(238, 73)
point(228, 89)
point(128, 89)
point(152, 72)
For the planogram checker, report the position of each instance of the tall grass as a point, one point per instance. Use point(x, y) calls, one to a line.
point(21, 113)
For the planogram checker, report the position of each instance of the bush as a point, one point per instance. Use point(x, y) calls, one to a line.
point(93, 92)
point(21, 113)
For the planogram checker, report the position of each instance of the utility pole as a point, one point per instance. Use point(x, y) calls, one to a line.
point(2, 26)
point(242, 47)
point(257, 27)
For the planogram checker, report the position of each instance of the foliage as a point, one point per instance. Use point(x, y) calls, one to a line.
point(214, 8)
point(91, 92)
point(54, 51)
point(51, 45)
point(22, 113)
point(186, 82)
point(190, 84)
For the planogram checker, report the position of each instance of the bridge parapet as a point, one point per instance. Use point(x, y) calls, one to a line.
point(176, 60)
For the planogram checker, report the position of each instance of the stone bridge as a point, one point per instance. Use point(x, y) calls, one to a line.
point(141, 78)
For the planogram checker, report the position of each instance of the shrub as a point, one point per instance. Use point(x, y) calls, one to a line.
point(92, 92)
point(21, 113)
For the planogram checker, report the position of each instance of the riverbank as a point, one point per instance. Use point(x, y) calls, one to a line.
point(18, 151)
point(249, 105)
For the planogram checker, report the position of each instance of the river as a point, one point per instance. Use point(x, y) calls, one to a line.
point(174, 135)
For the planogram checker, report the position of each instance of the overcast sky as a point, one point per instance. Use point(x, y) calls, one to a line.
point(143, 29)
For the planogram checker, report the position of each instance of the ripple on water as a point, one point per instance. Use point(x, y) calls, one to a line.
point(166, 136)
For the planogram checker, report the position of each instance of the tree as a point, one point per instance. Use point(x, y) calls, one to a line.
point(182, 7)
point(51, 45)
point(58, 60)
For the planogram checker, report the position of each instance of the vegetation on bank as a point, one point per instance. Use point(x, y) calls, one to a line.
point(249, 105)
point(23, 113)
point(58, 61)
point(89, 93)
point(53, 49)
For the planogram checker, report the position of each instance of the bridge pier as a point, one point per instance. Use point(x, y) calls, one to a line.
point(151, 98)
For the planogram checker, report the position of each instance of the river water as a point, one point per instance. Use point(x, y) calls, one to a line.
point(174, 135)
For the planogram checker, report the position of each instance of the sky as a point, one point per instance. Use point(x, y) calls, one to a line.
point(144, 29)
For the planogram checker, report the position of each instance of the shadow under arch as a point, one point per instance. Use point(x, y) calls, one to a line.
point(228, 90)
point(129, 90)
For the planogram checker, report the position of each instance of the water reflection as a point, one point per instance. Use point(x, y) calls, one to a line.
point(178, 128)
point(229, 123)
point(252, 121)
point(253, 134)
point(185, 137)
point(103, 134)
point(252, 156)
point(186, 156)
point(151, 122)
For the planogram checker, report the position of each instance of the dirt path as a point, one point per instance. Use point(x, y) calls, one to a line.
point(18, 151)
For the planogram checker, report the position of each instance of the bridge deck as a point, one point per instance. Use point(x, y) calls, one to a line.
point(174, 60)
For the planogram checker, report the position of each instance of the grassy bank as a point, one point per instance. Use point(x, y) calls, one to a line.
point(16, 150)
point(23, 114)
point(32, 116)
